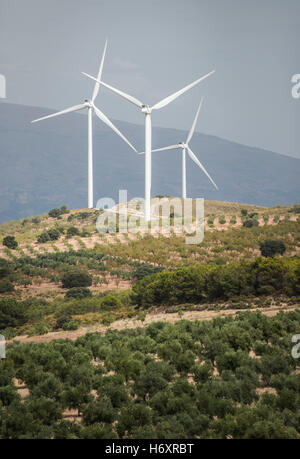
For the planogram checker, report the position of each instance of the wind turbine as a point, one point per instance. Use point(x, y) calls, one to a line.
point(90, 105)
point(146, 110)
point(185, 147)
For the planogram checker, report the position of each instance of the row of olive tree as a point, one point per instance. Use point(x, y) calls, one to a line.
point(184, 380)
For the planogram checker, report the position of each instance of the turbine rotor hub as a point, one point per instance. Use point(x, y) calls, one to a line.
point(146, 109)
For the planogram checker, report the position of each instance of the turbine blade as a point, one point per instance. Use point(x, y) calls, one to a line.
point(190, 134)
point(75, 108)
point(131, 99)
point(97, 84)
point(174, 96)
point(171, 147)
point(196, 160)
point(112, 126)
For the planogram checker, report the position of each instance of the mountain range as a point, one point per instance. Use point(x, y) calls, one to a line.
point(44, 165)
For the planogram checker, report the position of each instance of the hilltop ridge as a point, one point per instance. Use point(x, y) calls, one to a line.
point(76, 236)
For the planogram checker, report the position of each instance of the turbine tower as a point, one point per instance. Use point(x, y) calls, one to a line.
point(90, 106)
point(147, 110)
point(185, 148)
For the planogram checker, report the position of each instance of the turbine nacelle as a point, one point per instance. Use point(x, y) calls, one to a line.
point(183, 145)
point(146, 109)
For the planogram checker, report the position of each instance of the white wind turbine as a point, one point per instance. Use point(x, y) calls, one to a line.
point(146, 110)
point(185, 147)
point(89, 104)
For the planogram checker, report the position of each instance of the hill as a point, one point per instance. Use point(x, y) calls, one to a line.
point(115, 262)
point(46, 163)
point(137, 335)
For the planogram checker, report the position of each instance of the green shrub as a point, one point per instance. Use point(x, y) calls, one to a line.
point(85, 233)
point(253, 215)
point(107, 320)
point(53, 234)
point(12, 313)
point(41, 328)
point(60, 229)
point(233, 220)
point(62, 317)
point(64, 209)
point(72, 231)
point(6, 286)
point(25, 282)
point(244, 212)
point(266, 218)
point(54, 213)
point(276, 275)
point(78, 292)
point(36, 220)
point(250, 222)
point(73, 324)
point(210, 220)
point(5, 268)
point(295, 208)
point(43, 237)
point(10, 242)
point(76, 278)
point(222, 220)
point(145, 269)
point(8, 333)
point(270, 248)
point(110, 302)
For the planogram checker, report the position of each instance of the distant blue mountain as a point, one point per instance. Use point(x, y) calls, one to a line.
point(44, 165)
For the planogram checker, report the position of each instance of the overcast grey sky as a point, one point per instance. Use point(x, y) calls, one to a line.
point(154, 48)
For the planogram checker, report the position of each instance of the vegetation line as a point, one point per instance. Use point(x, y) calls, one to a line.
point(125, 324)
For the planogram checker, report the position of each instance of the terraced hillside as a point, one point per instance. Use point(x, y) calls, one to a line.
point(52, 245)
point(133, 335)
point(218, 216)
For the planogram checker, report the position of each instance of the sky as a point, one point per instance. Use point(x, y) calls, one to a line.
point(155, 48)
